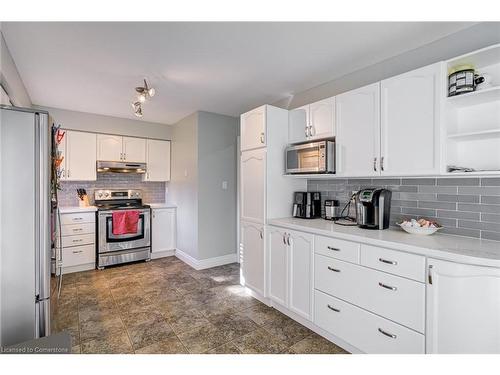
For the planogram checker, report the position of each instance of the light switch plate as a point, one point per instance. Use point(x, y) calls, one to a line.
point(224, 185)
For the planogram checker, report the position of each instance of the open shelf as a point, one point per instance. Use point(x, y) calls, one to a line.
point(477, 97)
point(492, 133)
point(480, 58)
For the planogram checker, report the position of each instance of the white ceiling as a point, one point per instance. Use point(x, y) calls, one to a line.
point(225, 68)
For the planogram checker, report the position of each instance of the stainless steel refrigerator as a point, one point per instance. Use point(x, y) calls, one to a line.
point(25, 230)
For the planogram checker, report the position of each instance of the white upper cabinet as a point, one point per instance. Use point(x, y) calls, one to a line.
point(134, 149)
point(463, 308)
point(322, 119)
point(157, 160)
point(312, 121)
point(253, 179)
point(278, 265)
point(109, 147)
point(80, 156)
point(253, 129)
point(118, 148)
point(298, 124)
point(358, 132)
point(410, 119)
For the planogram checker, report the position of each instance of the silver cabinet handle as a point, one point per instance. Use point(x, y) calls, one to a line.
point(332, 248)
point(307, 131)
point(333, 269)
point(77, 229)
point(80, 240)
point(284, 240)
point(69, 174)
point(124, 156)
point(387, 286)
point(393, 262)
point(262, 137)
point(261, 234)
point(78, 252)
point(77, 218)
point(288, 239)
point(332, 308)
point(387, 333)
point(311, 128)
point(375, 164)
point(382, 163)
point(430, 275)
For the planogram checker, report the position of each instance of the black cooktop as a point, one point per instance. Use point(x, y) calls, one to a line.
point(125, 204)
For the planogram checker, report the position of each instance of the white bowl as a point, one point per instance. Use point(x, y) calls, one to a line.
point(422, 231)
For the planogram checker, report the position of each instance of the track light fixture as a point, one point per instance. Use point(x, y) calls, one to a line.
point(143, 93)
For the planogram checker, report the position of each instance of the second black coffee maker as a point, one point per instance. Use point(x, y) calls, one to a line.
point(306, 204)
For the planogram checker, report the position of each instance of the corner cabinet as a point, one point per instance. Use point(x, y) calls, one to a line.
point(410, 122)
point(79, 163)
point(463, 308)
point(252, 254)
point(157, 160)
point(163, 232)
point(312, 121)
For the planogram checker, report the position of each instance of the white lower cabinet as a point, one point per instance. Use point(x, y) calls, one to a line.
point(163, 231)
point(463, 308)
point(364, 330)
point(278, 265)
point(252, 253)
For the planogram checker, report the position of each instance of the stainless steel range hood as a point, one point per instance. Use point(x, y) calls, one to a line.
point(120, 167)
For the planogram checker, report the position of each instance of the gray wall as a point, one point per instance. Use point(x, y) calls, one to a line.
point(470, 39)
point(107, 124)
point(203, 156)
point(217, 137)
point(10, 79)
point(183, 186)
point(464, 206)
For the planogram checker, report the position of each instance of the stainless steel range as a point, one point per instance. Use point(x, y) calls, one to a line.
point(121, 248)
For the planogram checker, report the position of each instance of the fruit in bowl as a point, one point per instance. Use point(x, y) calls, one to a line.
point(420, 226)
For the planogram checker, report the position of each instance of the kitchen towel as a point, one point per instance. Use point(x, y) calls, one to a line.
point(125, 222)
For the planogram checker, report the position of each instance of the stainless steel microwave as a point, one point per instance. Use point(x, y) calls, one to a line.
point(315, 157)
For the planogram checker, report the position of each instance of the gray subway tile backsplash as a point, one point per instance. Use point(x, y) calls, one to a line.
point(153, 192)
point(464, 206)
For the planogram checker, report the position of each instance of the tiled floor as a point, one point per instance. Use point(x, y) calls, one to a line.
point(165, 306)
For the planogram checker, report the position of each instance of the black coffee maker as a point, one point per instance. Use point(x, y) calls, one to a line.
point(306, 204)
point(373, 208)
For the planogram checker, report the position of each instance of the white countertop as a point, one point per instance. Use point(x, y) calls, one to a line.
point(161, 205)
point(441, 246)
point(74, 209)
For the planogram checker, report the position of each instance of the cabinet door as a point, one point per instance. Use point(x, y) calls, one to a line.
point(109, 147)
point(157, 160)
point(410, 122)
point(358, 131)
point(322, 119)
point(253, 178)
point(300, 265)
point(253, 256)
point(61, 147)
point(163, 229)
point(134, 149)
point(298, 121)
point(253, 129)
point(81, 156)
point(463, 308)
point(278, 265)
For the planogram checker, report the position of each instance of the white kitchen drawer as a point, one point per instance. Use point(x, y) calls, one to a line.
point(396, 262)
point(81, 239)
point(363, 329)
point(392, 297)
point(73, 229)
point(78, 255)
point(340, 249)
point(83, 217)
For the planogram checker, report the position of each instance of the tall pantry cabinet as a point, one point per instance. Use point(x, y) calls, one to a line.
point(265, 191)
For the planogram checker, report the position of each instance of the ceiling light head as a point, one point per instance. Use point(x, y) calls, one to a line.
point(142, 97)
point(144, 92)
point(137, 109)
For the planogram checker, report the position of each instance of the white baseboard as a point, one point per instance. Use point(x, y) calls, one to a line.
point(162, 254)
point(201, 264)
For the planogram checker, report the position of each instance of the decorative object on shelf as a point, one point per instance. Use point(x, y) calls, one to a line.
point(144, 92)
point(461, 80)
point(420, 226)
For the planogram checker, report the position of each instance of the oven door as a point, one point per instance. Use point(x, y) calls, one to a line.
point(306, 158)
point(107, 241)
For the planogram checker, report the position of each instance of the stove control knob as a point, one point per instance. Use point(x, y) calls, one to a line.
point(106, 195)
point(99, 195)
